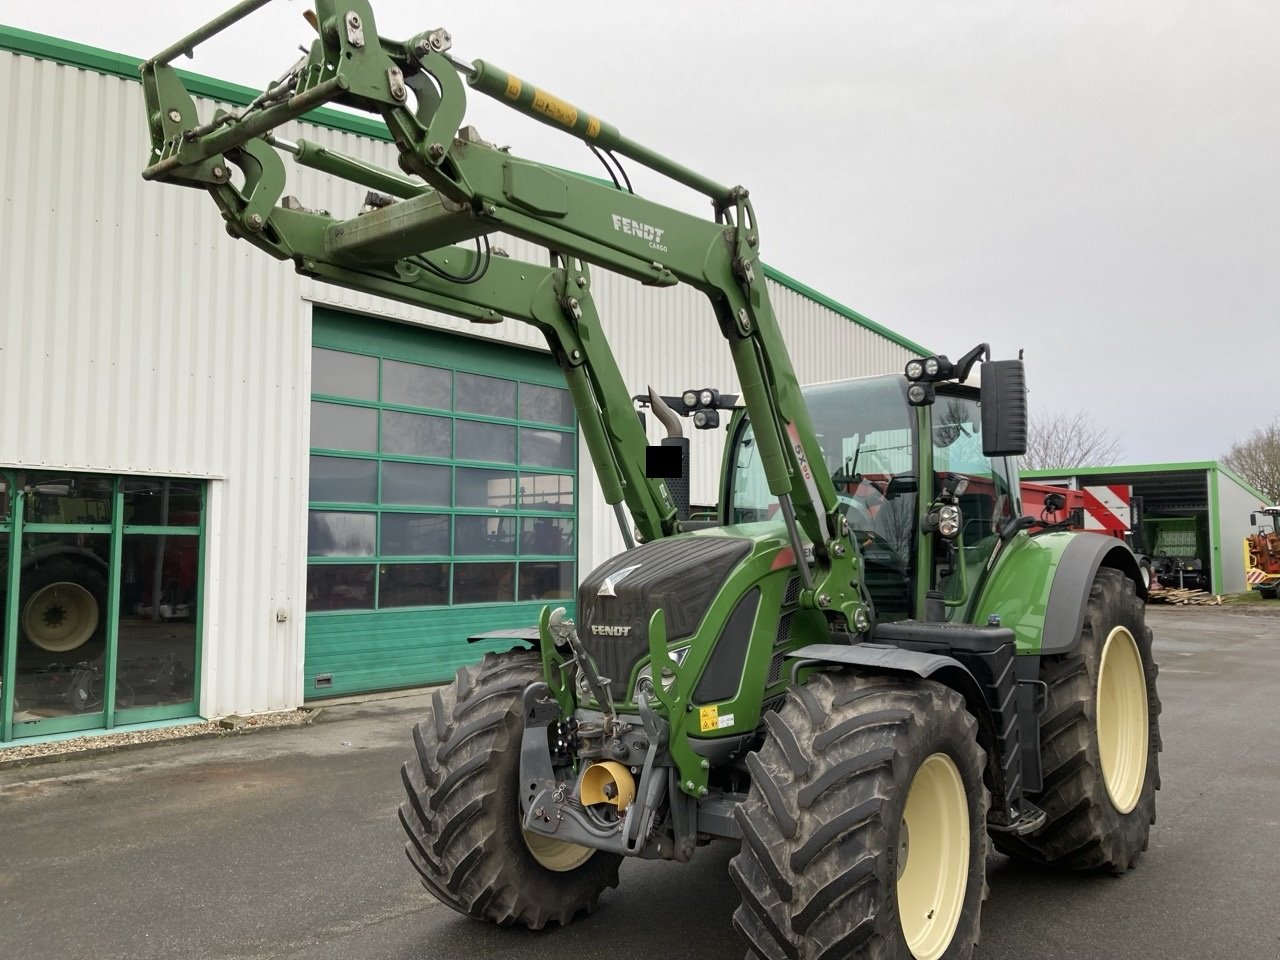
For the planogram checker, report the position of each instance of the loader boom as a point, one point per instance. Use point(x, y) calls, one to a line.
point(427, 244)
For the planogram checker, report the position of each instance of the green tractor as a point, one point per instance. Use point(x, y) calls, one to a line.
point(867, 669)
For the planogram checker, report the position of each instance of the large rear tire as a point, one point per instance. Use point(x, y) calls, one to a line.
point(63, 607)
point(864, 831)
point(1099, 740)
point(462, 812)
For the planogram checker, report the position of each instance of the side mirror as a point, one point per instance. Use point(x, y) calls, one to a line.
point(1004, 408)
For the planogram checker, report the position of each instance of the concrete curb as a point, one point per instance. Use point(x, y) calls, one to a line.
point(108, 749)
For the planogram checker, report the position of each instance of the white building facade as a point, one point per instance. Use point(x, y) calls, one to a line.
point(226, 488)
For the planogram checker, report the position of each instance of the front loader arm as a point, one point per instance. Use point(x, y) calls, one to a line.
point(414, 250)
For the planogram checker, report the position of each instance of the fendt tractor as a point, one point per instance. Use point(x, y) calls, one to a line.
point(868, 669)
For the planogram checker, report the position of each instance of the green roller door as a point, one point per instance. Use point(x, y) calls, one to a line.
point(442, 503)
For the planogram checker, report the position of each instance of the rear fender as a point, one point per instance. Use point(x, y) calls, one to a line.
point(1040, 587)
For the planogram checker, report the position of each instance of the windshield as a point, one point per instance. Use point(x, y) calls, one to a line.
point(866, 429)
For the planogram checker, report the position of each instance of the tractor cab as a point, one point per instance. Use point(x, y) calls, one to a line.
point(928, 505)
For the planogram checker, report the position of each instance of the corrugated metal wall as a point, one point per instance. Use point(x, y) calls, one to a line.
point(139, 338)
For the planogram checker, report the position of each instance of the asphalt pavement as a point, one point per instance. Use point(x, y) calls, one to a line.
point(284, 845)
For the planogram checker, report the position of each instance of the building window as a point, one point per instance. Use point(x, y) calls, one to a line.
point(99, 598)
point(434, 486)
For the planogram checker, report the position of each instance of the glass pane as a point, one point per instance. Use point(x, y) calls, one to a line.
point(484, 582)
point(343, 480)
point(546, 535)
point(68, 498)
point(162, 502)
point(415, 534)
point(339, 587)
point(159, 581)
point(488, 396)
point(487, 488)
point(486, 441)
point(414, 585)
point(546, 581)
point(414, 385)
point(4, 497)
point(416, 484)
point(62, 625)
point(333, 534)
point(547, 448)
point(545, 404)
point(342, 374)
point(484, 535)
point(338, 427)
point(546, 491)
point(416, 434)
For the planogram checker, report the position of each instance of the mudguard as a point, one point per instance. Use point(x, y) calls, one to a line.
point(1040, 587)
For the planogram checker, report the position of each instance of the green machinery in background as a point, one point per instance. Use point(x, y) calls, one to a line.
point(868, 666)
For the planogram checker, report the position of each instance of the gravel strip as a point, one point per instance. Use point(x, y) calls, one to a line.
point(22, 754)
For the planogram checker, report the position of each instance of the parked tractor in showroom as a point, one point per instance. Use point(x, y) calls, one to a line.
point(872, 663)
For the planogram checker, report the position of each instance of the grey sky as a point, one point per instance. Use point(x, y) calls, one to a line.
point(1097, 183)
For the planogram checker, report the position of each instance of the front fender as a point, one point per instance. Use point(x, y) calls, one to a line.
point(1040, 586)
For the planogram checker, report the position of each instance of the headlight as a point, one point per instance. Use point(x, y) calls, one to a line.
point(689, 398)
point(915, 370)
point(707, 398)
point(949, 520)
point(646, 672)
point(931, 366)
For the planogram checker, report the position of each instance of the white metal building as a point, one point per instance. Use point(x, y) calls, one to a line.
point(196, 516)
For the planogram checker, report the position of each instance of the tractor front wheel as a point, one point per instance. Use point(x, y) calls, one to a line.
point(1099, 740)
point(863, 835)
point(462, 810)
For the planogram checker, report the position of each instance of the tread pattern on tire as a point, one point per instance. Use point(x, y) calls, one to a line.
point(461, 811)
point(1084, 831)
point(817, 869)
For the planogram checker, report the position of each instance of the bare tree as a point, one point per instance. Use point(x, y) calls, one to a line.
point(1257, 459)
point(1068, 440)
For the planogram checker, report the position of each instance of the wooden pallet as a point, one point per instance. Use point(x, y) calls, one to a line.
point(1185, 596)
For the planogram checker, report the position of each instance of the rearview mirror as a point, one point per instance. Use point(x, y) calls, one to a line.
point(1004, 408)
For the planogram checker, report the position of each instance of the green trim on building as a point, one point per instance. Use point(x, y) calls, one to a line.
point(73, 54)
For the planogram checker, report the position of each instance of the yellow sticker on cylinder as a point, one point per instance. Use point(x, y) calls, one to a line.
point(708, 718)
point(554, 107)
point(593, 126)
point(513, 87)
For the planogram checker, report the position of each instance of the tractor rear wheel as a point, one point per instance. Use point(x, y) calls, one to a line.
point(1099, 740)
point(63, 607)
point(462, 811)
point(863, 834)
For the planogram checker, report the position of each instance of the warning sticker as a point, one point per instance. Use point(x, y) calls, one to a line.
point(513, 87)
point(708, 718)
point(554, 107)
point(593, 127)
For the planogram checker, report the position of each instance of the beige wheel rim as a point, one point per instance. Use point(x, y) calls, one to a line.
point(60, 617)
point(1122, 719)
point(555, 855)
point(933, 857)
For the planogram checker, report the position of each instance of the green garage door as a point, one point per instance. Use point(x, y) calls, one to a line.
point(443, 500)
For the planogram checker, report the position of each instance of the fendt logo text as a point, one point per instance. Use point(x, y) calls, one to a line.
point(601, 630)
point(645, 231)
